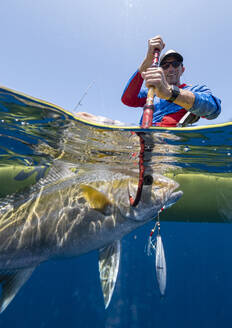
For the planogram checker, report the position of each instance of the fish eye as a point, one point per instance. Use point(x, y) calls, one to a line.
point(148, 180)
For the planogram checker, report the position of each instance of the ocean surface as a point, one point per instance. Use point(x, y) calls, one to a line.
point(67, 293)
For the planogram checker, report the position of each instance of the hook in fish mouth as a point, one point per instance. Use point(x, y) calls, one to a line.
point(158, 192)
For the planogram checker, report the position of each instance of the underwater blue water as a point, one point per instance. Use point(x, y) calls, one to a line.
point(67, 293)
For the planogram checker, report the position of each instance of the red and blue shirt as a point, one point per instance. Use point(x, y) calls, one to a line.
point(169, 114)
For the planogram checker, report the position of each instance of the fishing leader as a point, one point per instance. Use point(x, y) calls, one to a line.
point(173, 99)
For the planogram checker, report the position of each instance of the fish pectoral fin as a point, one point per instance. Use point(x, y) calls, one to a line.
point(11, 283)
point(109, 258)
point(96, 199)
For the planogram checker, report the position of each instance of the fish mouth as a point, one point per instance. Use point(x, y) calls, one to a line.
point(147, 210)
point(172, 199)
point(175, 196)
point(153, 212)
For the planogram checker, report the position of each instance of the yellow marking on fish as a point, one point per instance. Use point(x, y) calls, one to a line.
point(114, 185)
point(96, 199)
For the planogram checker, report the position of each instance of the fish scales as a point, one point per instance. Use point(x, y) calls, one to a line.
point(67, 217)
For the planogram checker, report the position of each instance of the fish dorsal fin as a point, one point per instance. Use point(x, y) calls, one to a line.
point(96, 199)
point(11, 283)
point(109, 258)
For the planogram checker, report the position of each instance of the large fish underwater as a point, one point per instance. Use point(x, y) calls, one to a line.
point(70, 213)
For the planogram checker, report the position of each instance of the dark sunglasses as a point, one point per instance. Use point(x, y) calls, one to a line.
point(174, 64)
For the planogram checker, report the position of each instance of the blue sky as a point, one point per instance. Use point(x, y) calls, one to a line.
point(54, 49)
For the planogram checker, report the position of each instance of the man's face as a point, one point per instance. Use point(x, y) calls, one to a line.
point(171, 73)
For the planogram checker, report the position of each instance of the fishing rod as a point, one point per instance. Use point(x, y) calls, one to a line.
point(147, 120)
point(83, 96)
point(148, 109)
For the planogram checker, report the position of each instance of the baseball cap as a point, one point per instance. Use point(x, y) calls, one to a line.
point(170, 53)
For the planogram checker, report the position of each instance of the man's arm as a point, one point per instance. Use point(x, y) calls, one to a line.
point(198, 101)
point(132, 95)
point(185, 99)
point(205, 104)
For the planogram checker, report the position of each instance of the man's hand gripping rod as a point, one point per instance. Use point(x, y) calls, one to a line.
point(148, 109)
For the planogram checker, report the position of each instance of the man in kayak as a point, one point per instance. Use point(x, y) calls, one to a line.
point(173, 99)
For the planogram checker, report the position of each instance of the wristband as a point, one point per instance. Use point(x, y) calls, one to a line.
point(175, 93)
